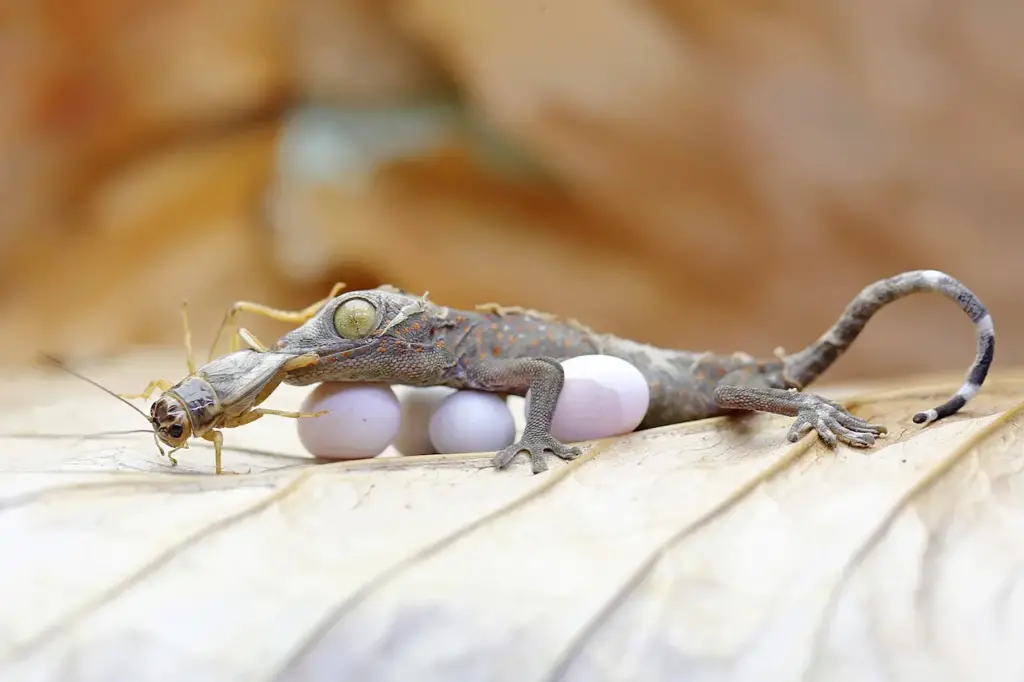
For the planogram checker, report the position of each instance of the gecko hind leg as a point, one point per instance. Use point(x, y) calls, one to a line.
point(831, 420)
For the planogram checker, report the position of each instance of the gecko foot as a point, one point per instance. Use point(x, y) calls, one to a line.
point(832, 422)
point(536, 445)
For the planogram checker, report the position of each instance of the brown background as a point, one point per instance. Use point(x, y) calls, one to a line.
point(716, 176)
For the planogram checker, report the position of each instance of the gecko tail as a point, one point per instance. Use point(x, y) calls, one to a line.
point(804, 366)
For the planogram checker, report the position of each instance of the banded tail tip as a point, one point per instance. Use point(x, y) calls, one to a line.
point(926, 417)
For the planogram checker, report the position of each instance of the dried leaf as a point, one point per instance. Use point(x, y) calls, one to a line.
point(713, 550)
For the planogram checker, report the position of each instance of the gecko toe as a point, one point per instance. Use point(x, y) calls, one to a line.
point(536, 446)
point(566, 452)
point(833, 424)
point(505, 457)
point(537, 463)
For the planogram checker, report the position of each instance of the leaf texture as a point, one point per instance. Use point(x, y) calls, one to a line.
point(708, 551)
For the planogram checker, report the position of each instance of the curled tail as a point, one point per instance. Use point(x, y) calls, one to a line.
point(803, 367)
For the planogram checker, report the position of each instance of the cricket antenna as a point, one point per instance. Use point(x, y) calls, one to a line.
point(57, 363)
point(61, 365)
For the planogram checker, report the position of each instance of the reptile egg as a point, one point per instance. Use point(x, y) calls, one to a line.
point(602, 396)
point(418, 406)
point(472, 421)
point(362, 420)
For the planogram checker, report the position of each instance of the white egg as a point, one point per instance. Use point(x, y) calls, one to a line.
point(472, 421)
point(602, 396)
point(362, 420)
point(418, 406)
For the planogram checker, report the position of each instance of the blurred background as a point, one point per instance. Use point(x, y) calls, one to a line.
point(714, 176)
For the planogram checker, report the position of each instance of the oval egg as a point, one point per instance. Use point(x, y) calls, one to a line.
point(602, 396)
point(362, 420)
point(472, 421)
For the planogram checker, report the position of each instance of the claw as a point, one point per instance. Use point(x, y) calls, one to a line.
point(536, 446)
point(833, 424)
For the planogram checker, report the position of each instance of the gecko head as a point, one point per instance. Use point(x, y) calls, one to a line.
point(170, 421)
point(359, 322)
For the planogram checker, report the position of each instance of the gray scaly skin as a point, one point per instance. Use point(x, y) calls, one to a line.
point(408, 340)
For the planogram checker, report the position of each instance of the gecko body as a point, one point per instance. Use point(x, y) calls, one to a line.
point(385, 335)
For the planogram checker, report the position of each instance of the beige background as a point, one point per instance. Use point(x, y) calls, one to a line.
point(716, 178)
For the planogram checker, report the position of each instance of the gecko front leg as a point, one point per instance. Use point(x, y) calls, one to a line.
point(544, 378)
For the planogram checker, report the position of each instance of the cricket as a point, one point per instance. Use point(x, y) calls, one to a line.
point(224, 393)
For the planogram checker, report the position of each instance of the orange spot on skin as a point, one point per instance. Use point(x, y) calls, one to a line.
point(419, 349)
point(496, 351)
point(382, 349)
point(416, 326)
point(439, 344)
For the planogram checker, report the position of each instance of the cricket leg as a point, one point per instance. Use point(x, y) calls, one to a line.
point(291, 415)
point(251, 340)
point(217, 438)
point(252, 415)
point(296, 317)
point(189, 356)
point(831, 420)
point(156, 384)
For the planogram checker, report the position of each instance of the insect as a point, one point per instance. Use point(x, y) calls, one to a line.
point(224, 393)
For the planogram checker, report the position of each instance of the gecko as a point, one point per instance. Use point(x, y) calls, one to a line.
point(389, 336)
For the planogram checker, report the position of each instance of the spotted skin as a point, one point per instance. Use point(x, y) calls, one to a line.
point(511, 350)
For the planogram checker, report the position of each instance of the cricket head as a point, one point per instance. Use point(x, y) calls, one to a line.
point(358, 336)
point(170, 420)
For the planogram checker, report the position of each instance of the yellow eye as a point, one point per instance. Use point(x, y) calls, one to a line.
point(355, 318)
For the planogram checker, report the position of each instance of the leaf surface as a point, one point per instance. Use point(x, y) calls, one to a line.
point(714, 550)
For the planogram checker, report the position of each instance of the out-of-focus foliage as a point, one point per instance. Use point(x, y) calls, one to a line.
point(723, 177)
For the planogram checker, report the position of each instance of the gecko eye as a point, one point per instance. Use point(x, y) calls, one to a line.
point(355, 318)
point(175, 431)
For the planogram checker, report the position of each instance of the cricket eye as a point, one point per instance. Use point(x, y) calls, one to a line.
point(355, 318)
point(175, 431)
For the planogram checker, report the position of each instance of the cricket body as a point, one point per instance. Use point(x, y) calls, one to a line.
point(222, 394)
point(387, 336)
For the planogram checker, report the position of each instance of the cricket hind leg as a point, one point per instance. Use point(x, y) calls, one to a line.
point(742, 390)
point(296, 317)
point(164, 384)
point(252, 415)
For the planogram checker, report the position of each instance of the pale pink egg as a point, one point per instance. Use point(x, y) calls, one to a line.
point(418, 406)
point(472, 421)
point(602, 396)
point(362, 420)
